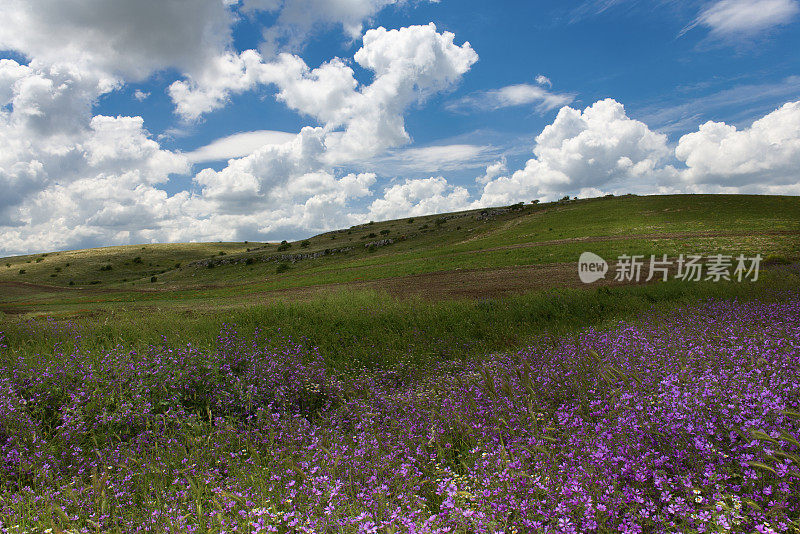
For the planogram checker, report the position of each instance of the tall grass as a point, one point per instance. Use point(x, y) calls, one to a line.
point(368, 328)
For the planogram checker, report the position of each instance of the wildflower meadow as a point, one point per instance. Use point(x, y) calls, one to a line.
point(686, 421)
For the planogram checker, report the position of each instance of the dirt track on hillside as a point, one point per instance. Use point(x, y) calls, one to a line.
point(630, 237)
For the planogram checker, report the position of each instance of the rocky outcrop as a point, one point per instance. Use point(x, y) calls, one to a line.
point(379, 243)
point(273, 258)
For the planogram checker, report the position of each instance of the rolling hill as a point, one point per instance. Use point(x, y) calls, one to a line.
point(473, 254)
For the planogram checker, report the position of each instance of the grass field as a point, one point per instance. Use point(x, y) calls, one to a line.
point(458, 379)
point(441, 256)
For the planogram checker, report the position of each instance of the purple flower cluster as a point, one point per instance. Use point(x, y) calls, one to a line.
point(686, 422)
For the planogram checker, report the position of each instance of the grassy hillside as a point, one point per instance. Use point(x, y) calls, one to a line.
point(480, 253)
point(91, 266)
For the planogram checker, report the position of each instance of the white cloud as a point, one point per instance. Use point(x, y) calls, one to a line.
point(602, 150)
point(70, 178)
point(122, 40)
point(54, 100)
point(493, 171)
point(10, 73)
point(122, 143)
point(211, 87)
point(765, 154)
point(238, 145)
point(140, 95)
point(43, 131)
point(514, 95)
point(292, 186)
point(597, 147)
point(87, 188)
point(726, 18)
point(282, 187)
point(589, 153)
point(118, 37)
point(73, 179)
point(292, 181)
point(76, 180)
point(227, 72)
point(543, 80)
point(264, 172)
point(409, 65)
point(418, 197)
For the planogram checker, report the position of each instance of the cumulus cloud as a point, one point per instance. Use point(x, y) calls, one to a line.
point(49, 136)
point(316, 91)
point(745, 17)
point(51, 100)
point(293, 181)
point(282, 187)
point(210, 88)
point(118, 37)
point(98, 184)
point(514, 95)
point(493, 171)
point(79, 180)
point(408, 64)
point(418, 197)
point(121, 40)
point(292, 184)
point(601, 150)
point(264, 172)
point(765, 154)
point(122, 143)
point(599, 146)
point(10, 73)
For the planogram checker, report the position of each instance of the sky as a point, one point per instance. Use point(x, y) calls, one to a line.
point(229, 120)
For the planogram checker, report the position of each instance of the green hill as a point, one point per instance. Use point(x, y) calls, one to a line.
point(477, 253)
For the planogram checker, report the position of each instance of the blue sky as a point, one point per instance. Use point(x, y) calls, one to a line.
point(202, 120)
